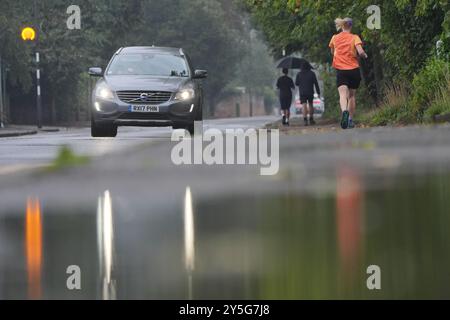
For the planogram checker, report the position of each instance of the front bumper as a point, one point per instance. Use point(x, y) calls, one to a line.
point(170, 113)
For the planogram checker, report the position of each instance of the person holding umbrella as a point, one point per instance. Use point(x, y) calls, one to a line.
point(306, 81)
point(285, 85)
point(345, 48)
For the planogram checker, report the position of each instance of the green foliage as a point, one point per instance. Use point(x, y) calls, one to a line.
point(428, 82)
point(331, 95)
point(391, 115)
point(409, 32)
point(429, 96)
point(440, 105)
point(214, 32)
point(66, 158)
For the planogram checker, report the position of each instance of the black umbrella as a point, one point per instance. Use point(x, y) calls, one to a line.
point(291, 63)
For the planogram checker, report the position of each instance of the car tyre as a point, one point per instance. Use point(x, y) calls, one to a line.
point(103, 130)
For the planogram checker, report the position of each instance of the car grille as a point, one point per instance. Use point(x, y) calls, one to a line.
point(143, 116)
point(136, 97)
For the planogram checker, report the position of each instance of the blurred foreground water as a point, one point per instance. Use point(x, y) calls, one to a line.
point(315, 245)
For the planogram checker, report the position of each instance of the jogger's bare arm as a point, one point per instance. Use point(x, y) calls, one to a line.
point(361, 51)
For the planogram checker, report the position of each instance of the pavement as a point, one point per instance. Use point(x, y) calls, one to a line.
point(17, 131)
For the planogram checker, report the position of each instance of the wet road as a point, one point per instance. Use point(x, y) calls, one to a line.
point(19, 153)
point(138, 226)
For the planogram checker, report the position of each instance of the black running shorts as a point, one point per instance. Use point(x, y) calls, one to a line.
point(308, 98)
point(349, 78)
point(286, 102)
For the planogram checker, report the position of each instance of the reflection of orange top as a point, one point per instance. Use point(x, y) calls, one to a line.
point(345, 54)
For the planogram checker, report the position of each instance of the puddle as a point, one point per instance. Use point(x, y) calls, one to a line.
point(284, 246)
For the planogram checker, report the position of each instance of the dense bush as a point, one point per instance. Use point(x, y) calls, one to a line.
point(330, 94)
point(428, 83)
point(427, 96)
point(440, 105)
point(396, 109)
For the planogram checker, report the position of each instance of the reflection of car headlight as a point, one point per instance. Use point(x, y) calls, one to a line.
point(104, 92)
point(185, 94)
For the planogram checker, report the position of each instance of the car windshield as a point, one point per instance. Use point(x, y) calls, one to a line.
point(149, 64)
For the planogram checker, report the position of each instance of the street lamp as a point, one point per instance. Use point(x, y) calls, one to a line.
point(29, 34)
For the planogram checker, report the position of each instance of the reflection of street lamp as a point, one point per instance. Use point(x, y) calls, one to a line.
point(105, 245)
point(189, 240)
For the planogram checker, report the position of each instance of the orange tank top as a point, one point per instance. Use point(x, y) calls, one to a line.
point(345, 53)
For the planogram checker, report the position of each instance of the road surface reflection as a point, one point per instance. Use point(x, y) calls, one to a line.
point(284, 245)
point(33, 245)
point(105, 243)
point(189, 239)
point(349, 220)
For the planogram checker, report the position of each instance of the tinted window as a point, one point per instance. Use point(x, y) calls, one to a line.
point(149, 64)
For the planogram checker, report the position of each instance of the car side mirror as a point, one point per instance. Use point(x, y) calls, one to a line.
point(200, 74)
point(96, 72)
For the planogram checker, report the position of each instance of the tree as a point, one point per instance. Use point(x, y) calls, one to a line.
point(409, 32)
point(211, 31)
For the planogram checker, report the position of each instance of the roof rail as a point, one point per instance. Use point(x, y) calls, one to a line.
point(118, 51)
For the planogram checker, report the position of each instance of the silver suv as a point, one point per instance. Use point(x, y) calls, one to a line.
point(146, 86)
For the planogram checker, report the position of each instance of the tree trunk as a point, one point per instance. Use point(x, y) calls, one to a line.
point(53, 110)
point(1, 93)
point(378, 74)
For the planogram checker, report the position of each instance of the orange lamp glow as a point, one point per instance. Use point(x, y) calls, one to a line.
point(28, 34)
point(33, 247)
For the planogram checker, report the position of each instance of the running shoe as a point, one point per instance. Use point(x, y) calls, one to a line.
point(312, 122)
point(284, 120)
point(351, 124)
point(345, 120)
point(306, 122)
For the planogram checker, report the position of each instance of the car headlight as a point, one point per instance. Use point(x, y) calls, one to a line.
point(185, 94)
point(104, 92)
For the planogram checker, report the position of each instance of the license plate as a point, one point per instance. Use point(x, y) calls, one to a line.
point(143, 108)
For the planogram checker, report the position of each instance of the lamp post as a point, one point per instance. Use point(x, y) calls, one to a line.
point(38, 92)
point(38, 71)
point(29, 35)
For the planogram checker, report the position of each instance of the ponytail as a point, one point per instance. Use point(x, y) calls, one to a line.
point(343, 24)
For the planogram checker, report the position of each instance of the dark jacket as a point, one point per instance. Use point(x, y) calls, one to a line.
point(306, 81)
point(285, 84)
